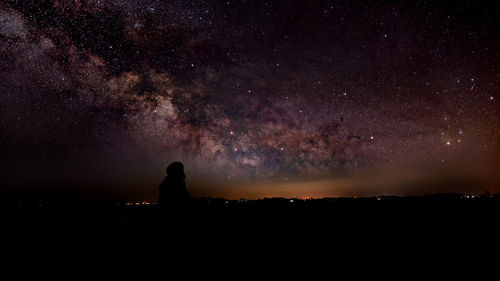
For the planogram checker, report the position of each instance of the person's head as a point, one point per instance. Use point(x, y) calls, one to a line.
point(176, 171)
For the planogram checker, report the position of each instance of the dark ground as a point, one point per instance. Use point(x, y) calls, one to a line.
point(428, 215)
point(428, 230)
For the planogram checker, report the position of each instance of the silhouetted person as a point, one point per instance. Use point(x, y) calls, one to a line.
point(173, 192)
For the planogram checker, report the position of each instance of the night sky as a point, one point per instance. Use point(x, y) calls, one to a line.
point(102, 95)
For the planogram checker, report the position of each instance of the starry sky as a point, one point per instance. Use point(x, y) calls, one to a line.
point(104, 94)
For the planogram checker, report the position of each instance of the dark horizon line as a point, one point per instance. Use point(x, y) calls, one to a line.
point(450, 195)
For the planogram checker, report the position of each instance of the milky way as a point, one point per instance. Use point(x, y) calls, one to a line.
point(248, 89)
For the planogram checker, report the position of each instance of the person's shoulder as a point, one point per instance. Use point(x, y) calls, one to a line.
point(164, 181)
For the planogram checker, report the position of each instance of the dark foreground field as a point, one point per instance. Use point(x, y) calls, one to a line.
point(421, 228)
point(428, 215)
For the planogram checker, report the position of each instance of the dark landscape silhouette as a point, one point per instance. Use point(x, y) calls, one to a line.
point(436, 212)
